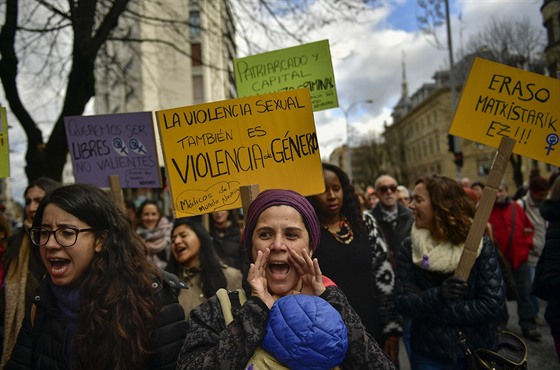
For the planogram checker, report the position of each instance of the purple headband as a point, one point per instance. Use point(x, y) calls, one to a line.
point(279, 197)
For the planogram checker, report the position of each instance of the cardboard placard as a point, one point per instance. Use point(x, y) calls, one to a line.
point(114, 144)
point(501, 101)
point(4, 145)
point(210, 150)
point(304, 66)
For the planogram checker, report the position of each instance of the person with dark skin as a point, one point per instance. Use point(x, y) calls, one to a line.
point(354, 253)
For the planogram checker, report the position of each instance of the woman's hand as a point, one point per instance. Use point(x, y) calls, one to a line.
point(310, 272)
point(257, 278)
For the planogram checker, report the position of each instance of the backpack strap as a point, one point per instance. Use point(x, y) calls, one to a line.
point(230, 300)
point(33, 314)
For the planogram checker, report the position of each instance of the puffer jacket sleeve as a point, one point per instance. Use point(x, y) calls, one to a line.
point(363, 350)
point(209, 344)
point(486, 298)
point(384, 278)
point(171, 326)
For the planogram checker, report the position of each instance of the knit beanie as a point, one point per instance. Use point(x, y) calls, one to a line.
point(280, 197)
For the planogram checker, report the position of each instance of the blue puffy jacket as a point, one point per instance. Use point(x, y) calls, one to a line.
point(305, 332)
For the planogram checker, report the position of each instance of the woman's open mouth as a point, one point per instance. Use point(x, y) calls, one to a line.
point(278, 270)
point(58, 266)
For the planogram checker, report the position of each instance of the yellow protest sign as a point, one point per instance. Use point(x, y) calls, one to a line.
point(4, 147)
point(304, 66)
point(498, 100)
point(210, 150)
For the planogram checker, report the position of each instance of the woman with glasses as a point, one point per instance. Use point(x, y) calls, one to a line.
point(101, 304)
point(353, 254)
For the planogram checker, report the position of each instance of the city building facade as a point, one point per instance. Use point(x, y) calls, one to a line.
point(551, 20)
point(189, 63)
point(417, 141)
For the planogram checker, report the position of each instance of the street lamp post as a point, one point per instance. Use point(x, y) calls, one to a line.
point(346, 114)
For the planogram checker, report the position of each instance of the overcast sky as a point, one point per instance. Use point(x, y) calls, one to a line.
point(368, 55)
point(367, 60)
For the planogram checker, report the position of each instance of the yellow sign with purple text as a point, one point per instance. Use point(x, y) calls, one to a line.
point(210, 150)
point(498, 100)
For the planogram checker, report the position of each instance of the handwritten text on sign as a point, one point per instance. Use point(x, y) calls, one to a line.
point(117, 144)
point(4, 146)
point(499, 101)
point(212, 149)
point(305, 66)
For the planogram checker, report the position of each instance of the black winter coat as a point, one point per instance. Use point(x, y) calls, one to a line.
point(41, 345)
point(394, 235)
point(210, 344)
point(547, 278)
point(435, 321)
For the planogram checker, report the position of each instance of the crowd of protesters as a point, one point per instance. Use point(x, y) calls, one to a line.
point(83, 278)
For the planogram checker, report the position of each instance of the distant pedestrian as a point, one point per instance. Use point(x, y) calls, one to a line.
point(226, 230)
point(155, 228)
point(403, 195)
point(394, 218)
point(22, 267)
point(513, 233)
point(531, 204)
point(547, 279)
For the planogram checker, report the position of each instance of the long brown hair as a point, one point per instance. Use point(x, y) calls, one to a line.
point(117, 307)
point(453, 209)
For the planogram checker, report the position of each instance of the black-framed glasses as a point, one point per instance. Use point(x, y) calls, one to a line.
point(385, 188)
point(65, 236)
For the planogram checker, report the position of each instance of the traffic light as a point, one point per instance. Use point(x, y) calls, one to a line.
point(450, 143)
point(458, 159)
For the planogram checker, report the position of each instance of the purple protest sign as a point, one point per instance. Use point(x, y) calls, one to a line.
point(116, 144)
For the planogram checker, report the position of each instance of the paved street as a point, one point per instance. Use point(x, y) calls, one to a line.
point(541, 355)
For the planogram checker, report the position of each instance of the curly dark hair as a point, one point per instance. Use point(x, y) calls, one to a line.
point(350, 203)
point(211, 268)
point(453, 208)
point(117, 304)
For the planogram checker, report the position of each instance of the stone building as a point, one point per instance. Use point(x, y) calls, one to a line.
point(188, 65)
point(551, 21)
point(417, 140)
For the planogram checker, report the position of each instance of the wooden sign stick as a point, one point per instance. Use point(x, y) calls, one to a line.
point(248, 193)
point(485, 207)
point(116, 190)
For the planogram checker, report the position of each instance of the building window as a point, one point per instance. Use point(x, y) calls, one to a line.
point(198, 89)
point(196, 54)
point(194, 22)
point(431, 146)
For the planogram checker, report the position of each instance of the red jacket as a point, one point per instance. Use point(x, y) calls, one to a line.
point(522, 241)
